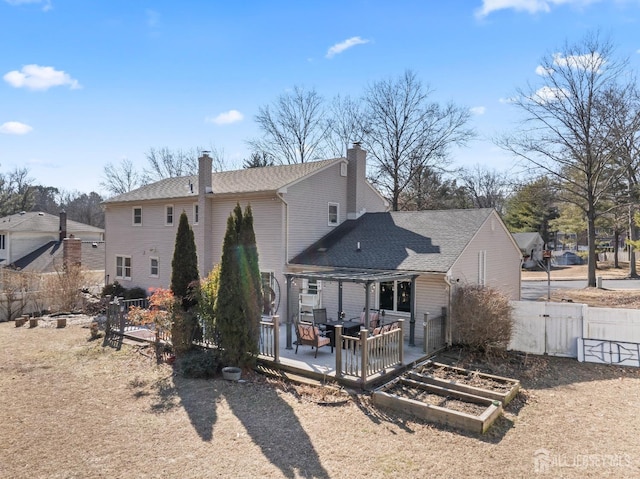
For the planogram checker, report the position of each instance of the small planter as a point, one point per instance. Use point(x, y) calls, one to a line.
point(61, 322)
point(231, 373)
point(33, 322)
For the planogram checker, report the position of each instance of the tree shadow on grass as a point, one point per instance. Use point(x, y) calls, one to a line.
point(268, 419)
point(275, 428)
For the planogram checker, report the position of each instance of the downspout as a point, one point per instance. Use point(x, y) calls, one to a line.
point(288, 318)
point(447, 279)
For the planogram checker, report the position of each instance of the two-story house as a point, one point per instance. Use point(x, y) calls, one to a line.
point(323, 232)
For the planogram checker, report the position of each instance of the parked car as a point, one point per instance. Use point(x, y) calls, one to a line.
point(568, 258)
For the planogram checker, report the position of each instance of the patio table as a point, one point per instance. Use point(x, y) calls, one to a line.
point(349, 328)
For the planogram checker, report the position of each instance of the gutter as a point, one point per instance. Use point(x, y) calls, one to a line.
point(447, 279)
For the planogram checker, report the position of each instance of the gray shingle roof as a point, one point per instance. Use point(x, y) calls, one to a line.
point(248, 180)
point(43, 223)
point(426, 241)
point(525, 239)
point(49, 257)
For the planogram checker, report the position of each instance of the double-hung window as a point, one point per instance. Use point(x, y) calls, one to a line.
point(123, 267)
point(137, 216)
point(333, 214)
point(396, 296)
point(196, 213)
point(154, 267)
point(169, 215)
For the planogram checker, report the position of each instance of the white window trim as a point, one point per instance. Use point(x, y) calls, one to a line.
point(166, 215)
point(329, 222)
point(133, 215)
point(196, 213)
point(123, 276)
point(151, 259)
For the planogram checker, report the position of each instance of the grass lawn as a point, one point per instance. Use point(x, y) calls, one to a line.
point(72, 409)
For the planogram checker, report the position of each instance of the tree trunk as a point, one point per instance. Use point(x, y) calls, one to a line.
point(633, 235)
point(616, 238)
point(591, 233)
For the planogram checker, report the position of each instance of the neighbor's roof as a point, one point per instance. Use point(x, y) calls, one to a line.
point(49, 257)
point(38, 221)
point(425, 241)
point(247, 180)
point(525, 239)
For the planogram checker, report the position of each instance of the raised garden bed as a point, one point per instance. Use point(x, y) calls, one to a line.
point(471, 382)
point(439, 404)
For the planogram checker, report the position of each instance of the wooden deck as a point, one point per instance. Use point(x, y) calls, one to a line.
point(323, 367)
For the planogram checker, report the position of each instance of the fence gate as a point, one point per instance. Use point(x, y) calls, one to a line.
point(434, 333)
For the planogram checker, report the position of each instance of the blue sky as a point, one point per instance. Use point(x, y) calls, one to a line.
point(84, 83)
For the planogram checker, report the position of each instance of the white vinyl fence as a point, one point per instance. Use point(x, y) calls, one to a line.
point(602, 335)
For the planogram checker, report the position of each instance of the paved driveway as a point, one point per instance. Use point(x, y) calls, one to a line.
point(533, 290)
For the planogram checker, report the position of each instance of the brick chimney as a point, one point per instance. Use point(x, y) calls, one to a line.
point(63, 225)
point(356, 178)
point(71, 252)
point(204, 228)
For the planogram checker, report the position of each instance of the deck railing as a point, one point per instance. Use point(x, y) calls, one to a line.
point(269, 344)
point(367, 355)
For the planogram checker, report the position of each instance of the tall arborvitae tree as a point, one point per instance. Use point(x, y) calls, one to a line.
point(184, 266)
point(253, 287)
point(237, 308)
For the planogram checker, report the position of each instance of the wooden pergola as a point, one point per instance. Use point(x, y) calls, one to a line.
point(365, 277)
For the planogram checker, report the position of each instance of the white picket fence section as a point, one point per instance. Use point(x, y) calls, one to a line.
point(603, 335)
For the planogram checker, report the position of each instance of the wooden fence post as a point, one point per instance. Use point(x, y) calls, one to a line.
point(337, 344)
point(425, 325)
point(276, 338)
point(364, 355)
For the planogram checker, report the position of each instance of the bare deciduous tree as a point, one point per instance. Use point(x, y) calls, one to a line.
point(346, 125)
point(487, 188)
point(563, 134)
point(122, 178)
point(294, 128)
point(406, 131)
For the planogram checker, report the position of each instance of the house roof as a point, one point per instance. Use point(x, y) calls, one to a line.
point(525, 240)
point(247, 180)
point(424, 241)
point(37, 221)
point(49, 257)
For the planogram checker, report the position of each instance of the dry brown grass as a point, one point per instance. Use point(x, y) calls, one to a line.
point(73, 409)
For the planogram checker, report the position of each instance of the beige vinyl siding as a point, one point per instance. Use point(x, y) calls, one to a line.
point(153, 239)
point(370, 201)
point(501, 259)
point(308, 207)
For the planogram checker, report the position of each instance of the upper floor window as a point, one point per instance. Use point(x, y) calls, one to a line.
point(396, 296)
point(196, 213)
point(334, 214)
point(2, 242)
point(169, 215)
point(137, 216)
point(154, 267)
point(123, 267)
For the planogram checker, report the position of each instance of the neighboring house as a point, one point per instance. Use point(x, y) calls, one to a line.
point(33, 241)
point(413, 260)
point(293, 206)
point(531, 246)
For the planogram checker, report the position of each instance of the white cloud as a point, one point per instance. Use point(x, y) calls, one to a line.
point(46, 4)
point(529, 6)
point(506, 101)
point(543, 72)
point(583, 62)
point(226, 118)
point(35, 77)
point(547, 94)
point(342, 46)
point(478, 110)
point(15, 128)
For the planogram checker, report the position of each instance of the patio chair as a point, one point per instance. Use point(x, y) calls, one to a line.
point(319, 317)
point(309, 335)
point(374, 319)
